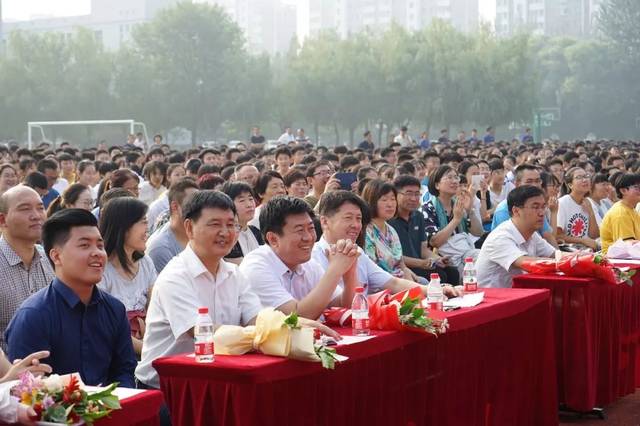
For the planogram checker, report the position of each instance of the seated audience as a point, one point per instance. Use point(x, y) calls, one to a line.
point(129, 274)
point(622, 221)
point(249, 237)
point(410, 228)
point(168, 241)
point(24, 267)
point(514, 240)
point(282, 273)
point(84, 329)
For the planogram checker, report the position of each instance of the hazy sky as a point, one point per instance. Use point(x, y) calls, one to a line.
point(25, 9)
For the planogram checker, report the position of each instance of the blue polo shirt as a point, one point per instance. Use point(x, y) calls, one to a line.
point(411, 233)
point(501, 214)
point(49, 197)
point(93, 339)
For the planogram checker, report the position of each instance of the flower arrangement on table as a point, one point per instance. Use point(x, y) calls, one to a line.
point(61, 399)
point(274, 334)
point(401, 311)
point(581, 264)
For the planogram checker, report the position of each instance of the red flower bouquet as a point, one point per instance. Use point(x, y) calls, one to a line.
point(581, 264)
point(401, 311)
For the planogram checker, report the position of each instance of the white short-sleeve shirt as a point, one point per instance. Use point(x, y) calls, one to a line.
point(371, 276)
point(503, 246)
point(274, 283)
point(182, 287)
point(572, 217)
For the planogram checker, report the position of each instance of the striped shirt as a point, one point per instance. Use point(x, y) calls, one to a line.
point(17, 282)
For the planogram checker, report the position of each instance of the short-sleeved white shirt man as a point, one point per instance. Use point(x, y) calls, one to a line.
point(274, 283)
point(503, 246)
point(182, 287)
point(370, 275)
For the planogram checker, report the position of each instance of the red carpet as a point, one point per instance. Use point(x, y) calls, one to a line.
point(624, 412)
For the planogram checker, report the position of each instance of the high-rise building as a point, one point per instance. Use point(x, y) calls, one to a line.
point(111, 22)
point(549, 17)
point(268, 25)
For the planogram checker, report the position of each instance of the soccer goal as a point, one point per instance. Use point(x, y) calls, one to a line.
point(91, 130)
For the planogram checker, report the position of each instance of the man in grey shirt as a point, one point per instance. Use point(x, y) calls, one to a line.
point(24, 267)
point(171, 239)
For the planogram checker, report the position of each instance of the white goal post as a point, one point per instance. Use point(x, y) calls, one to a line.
point(31, 125)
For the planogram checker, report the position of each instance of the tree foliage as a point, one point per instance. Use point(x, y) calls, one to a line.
point(189, 69)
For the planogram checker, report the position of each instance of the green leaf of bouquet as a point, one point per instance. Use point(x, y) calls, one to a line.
point(104, 392)
point(407, 306)
point(57, 414)
point(292, 320)
point(111, 401)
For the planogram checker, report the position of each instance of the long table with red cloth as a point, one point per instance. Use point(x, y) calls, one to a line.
point(141, 409)
point(495, 366)
point(597, 335)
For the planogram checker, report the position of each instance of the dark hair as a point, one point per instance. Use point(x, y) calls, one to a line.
point(67, 198)
point(348, 161)
point(209, 181)
point(292, 176)
point(208, 169)
point(495, 165)
point(405, 180)
point(26, 164)
point(263, 182)
point(119, 177)
point(624, 181)
point(117, 216)
point(154, 166)
point(599, 178)
point(283, 150)
point(57, 229)
point(273, 215)
point(84, 164)
point(436, 176)
point(522, 168)
point(193, 165)
point(313, 166)
point(386, 151)
point(235, 189)
point(36, 180)
point(177, 190)
point(518, 196)
point(208, 151)
point(363, 171)
point(568, 179)
point(206, 199)
point(373, 191)
point(330, 203)
point(111, 194)
point(47, 163)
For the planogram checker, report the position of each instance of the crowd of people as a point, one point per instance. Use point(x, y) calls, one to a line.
point(107, 253)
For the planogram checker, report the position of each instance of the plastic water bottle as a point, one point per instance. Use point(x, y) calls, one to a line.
point(360, 313)
point(469, 278)
point(203, 333)
point(435, 296)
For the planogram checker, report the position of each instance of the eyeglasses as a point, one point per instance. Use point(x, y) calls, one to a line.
point(322, 173)
point(217, 227)
point(454, 178)
point(582, 177)
point(532, 181)
point(410, 194)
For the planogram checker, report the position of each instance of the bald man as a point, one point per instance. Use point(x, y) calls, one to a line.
point(24, 267)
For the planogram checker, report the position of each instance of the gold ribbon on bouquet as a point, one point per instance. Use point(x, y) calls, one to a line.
point(270, 335)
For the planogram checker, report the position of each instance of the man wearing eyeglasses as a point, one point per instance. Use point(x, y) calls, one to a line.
point(527, 174)
point(318, 174)
point(515, 240)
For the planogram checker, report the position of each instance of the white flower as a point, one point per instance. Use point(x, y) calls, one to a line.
point(53, 383)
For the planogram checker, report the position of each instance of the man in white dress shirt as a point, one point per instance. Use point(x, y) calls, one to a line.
point(282, 273)
point(514, 241)
point(341, 218)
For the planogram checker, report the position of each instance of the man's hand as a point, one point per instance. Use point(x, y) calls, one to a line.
point(451, 291)
point(333, 184)
point(305, 322)
point(342, 255)
point(553, 204)
point(25, 414)
point(30, 363)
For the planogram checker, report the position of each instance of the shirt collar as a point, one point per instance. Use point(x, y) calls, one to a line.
point(278, 265)
point(12, 257)
point(195, 267)
point(516, 233)
point(70, 297)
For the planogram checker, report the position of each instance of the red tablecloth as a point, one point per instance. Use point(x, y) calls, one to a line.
point(597, 334)
point(138, 410)
point(495, 366)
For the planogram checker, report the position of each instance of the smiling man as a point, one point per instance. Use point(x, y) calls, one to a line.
point(515, 240)
point(24, 268)
point(85, 329)
point(282, 273)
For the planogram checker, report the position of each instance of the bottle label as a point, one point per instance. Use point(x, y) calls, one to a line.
point(203, 348)
point(360, 323)
point(471, 286)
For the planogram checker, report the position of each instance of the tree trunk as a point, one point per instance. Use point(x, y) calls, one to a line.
point(380, 128)
point(352, 131)
point(316, 132)
point(337, 133)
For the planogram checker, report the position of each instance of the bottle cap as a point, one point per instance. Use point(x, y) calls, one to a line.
point(469, 260)
point(359, 289)
point(203, 310)
point(435, 276)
